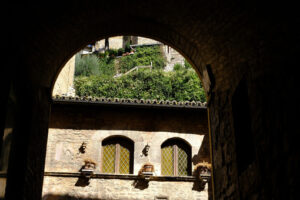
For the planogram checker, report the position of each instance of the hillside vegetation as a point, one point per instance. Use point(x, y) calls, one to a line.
point(95, 77)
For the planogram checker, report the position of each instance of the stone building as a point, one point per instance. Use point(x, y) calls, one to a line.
point(120, 143)
point(245, 52)
point(120, 42)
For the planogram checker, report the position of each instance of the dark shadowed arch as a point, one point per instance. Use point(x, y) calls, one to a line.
point(230, 44)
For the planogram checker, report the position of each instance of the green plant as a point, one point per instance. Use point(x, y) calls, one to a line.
point(127, 47)
point(143, 84)
point(121, 51)
point(86, 65)
point(187, 65)
point(178, 66)
point(143, 56)
point(112, 52)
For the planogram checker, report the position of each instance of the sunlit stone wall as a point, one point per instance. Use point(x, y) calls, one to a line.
point(64, 188)
point(64, 82)
point(63, 156)
point(63, 147)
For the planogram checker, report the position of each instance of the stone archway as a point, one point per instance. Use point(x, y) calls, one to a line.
point(230, 45)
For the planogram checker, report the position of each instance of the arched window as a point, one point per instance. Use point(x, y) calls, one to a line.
point(117, 155)
point(175, 158)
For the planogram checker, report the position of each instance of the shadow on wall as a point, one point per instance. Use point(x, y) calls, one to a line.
point(203, 153)
point(65, 197)
point(141, 184)
point(113, 117)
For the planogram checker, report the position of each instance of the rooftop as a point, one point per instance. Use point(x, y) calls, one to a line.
point(134, 102)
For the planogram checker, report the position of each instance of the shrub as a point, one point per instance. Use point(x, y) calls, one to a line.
point(121, 51)
point(127, 47)
point(106, 67)
point(178, 66)
point(179, 85)
point(143, 56)
point(187, 65)
point(112, 52)
point(89, 65)
point(86, 65)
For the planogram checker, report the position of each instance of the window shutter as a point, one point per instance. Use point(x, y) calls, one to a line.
point(175, 158)
point(109, 157)
point(124, 161)
point(117, 155)
point(167, 161)
point(182, 162)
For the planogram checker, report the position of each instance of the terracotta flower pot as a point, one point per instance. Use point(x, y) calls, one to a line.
point(148, 168)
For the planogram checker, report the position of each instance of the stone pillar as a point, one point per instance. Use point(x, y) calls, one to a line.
point(29, 139)
point(134, 39)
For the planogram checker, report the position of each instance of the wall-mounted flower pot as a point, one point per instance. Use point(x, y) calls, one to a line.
point(88, 168)
point(148, 168)
point(87, 172)
point(147, 175)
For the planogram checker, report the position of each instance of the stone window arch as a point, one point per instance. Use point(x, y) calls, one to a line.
point(117, 155)
point(175, 158)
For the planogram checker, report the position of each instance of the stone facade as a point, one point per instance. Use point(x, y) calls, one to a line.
point(66, 137)
point(63, 188)
point(119, 42)
point(64, 82)
point(63, 145)
point(63, 156)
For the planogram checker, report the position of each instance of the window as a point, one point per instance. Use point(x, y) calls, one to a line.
point(175, 158)
point(117, 155)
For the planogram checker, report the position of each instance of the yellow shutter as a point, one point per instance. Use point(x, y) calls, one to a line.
point(109, 156)
point(167, 161)
point(124, 162)
point(182, 162)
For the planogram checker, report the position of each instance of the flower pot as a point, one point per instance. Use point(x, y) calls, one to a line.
point(148, 168)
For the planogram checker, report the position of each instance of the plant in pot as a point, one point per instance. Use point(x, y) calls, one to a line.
point(201, 172)
point(202, 169)
point(88, 167)
point(146, 171)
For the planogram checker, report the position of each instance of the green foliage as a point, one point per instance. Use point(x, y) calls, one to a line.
point(121, 51)
point(127, 47)
point(94, 77)
point(178, 67)
point(106, 67)
point(89, 65)
point(86, 65)
point(187, 65)
point(112, 52)
point(183, 85)
point(143, 56)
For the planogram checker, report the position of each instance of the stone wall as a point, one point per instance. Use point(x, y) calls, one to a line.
point(64, 82)
point(64, 188)
point(63, 156)
point(66, 136)
point(63, 147)
point(118, 42)
point(114, 43)
point(143, 40)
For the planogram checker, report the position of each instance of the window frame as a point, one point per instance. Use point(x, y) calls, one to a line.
point(175, 142)
point(117, 141)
